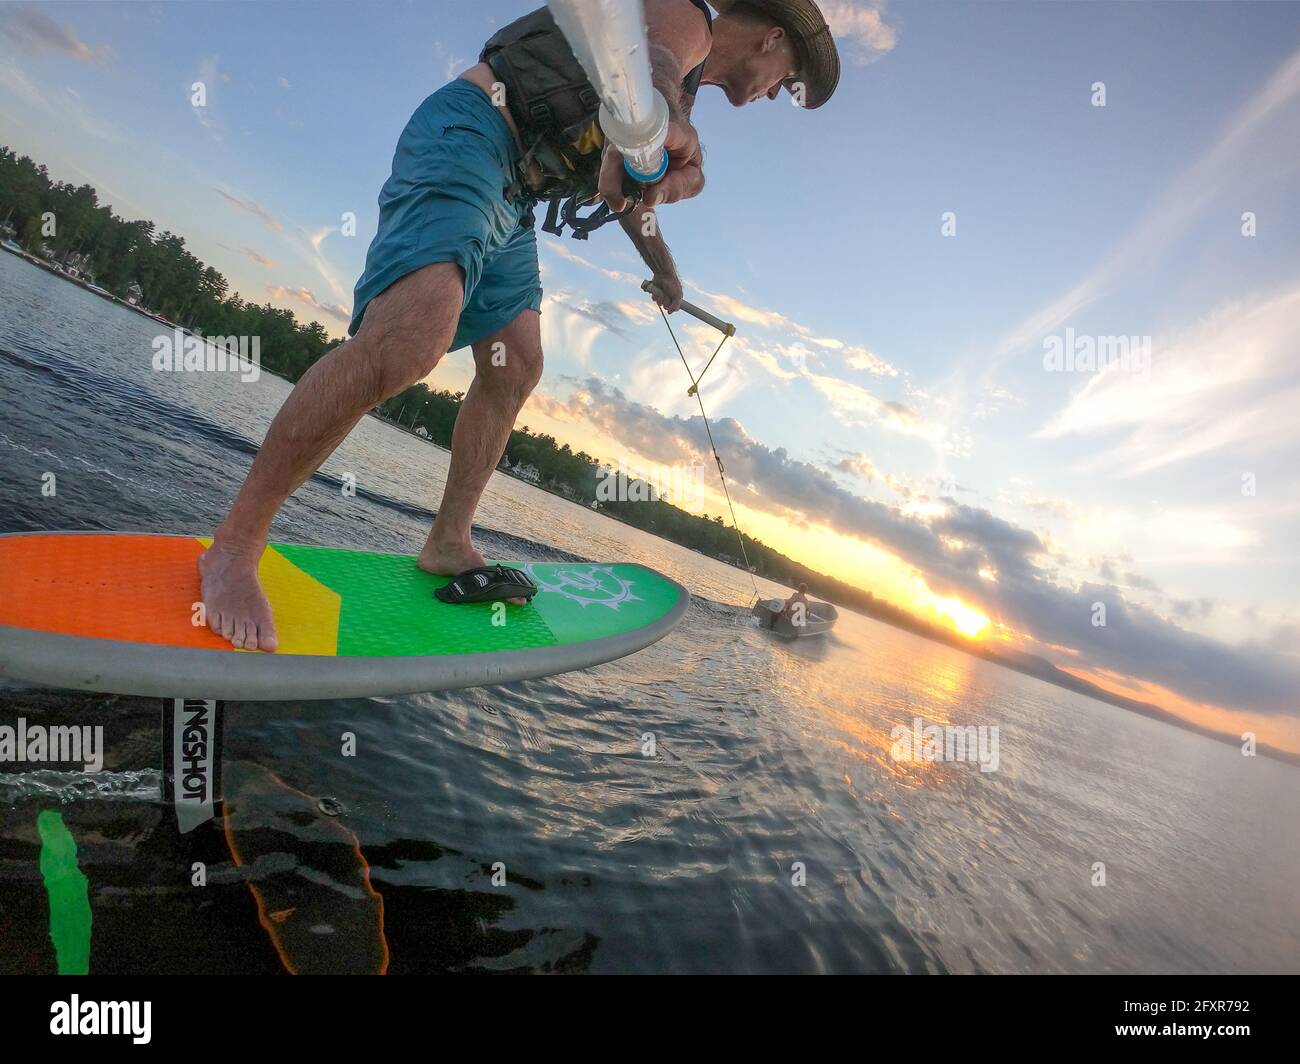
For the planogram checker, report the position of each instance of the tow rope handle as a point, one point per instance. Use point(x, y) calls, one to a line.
point(724, 327)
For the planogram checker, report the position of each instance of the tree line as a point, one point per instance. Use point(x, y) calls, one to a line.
point(120, 253)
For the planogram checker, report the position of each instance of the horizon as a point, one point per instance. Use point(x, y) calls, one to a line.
point(898, 417)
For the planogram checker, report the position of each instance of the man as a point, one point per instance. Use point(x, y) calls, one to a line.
point(799, 598)
point(454, 262)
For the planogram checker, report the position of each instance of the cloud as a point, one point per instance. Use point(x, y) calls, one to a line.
point(858, 406)
point(858, 465)
point(65, 107)
point(35, 33)
point(209, 75)
point(305, 295)
point(1229, 383)
point(261, 260)
point(861, 27)
point(616, 317)
point(1062, 508)
point(341, 289)
point(450, 64)
point(304, 245)
point(1257, 133)
point(255, 209)
point(861, 359)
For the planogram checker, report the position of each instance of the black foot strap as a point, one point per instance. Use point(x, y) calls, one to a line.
point(492, 583)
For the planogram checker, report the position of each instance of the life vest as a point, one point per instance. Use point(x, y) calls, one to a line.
point(556, 111)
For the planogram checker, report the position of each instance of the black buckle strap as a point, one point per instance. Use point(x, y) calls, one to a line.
point(560, 213)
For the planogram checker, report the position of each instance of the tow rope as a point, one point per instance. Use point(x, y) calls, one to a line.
point(728, 331)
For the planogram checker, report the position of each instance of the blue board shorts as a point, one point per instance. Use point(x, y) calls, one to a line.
point(445, 202)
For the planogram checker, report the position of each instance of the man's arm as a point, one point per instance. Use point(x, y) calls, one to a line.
point(643, 228)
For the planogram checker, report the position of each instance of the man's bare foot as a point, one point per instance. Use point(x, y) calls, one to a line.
point(454, 560)
point(233, 601)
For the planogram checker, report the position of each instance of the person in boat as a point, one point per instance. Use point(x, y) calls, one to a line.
point(454, 261)
point(800, 596)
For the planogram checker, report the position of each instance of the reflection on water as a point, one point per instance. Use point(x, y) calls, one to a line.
point(652, 814)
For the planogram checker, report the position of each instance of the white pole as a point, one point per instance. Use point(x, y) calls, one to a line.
point(608, 37)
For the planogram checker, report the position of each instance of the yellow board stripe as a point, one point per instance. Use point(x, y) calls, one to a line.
point(306, 611)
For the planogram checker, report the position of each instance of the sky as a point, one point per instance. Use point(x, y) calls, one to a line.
point(992, 184)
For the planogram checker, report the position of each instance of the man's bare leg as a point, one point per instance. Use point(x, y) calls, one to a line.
point(406, 331)
point(507, 366)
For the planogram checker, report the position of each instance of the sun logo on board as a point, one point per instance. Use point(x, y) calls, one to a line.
point(587, 585)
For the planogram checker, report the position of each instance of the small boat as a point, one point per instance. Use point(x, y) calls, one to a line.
point(819, 619)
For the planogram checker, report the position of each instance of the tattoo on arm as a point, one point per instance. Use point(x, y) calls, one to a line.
point(652, 249)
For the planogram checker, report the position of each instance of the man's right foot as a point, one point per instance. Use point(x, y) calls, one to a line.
point(234, 603)
point(453, 560)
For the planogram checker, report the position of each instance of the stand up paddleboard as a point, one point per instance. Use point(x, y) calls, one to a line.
point(117, 613)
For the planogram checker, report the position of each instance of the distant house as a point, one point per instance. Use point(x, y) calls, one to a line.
point(77, 266)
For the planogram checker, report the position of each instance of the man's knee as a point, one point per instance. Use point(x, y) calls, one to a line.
point(512, 371)
point(408, 328)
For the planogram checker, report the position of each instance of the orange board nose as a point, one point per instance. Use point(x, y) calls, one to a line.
point(135, 588)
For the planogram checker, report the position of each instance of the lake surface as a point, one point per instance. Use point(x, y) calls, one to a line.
point(771, 830)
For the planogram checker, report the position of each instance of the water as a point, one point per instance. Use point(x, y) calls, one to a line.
point(769, 757)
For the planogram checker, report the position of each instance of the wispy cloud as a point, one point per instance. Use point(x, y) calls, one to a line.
point(307, 297)
point(340, 290)
point(447, 64)
point(255, 209)
point(260, 259)
point(210, 76)
point(1267, 119)
point(35, 33)
point(1229, 383)
point(61, 107)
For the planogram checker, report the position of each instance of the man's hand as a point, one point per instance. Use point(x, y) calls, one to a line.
point(666, 288)
point(683, 180)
